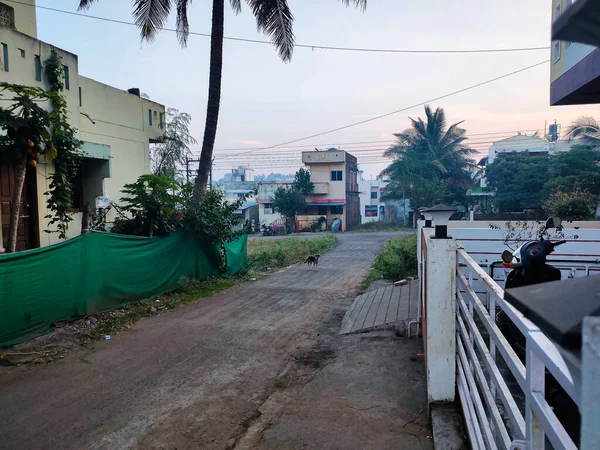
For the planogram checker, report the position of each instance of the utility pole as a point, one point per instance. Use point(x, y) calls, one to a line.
point(187, 169)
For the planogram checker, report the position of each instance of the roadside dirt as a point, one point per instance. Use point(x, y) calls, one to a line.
point(257, 366)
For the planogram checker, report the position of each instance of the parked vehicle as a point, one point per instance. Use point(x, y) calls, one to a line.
point(528, 265)
point(267, 230)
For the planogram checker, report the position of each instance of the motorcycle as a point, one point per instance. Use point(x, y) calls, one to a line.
point(528, 265)
point(267, 230)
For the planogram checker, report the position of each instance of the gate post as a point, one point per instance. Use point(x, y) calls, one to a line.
point(440, 307)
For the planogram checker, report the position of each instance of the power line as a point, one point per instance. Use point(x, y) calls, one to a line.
point(310, 46)
point(401, 110)
point(491, 133)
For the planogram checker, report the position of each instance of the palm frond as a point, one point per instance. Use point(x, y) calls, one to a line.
point(85, 4)
point(584, 127)
point(181, 25)
point(236, 5)
point(362, 4)
point(275, 19)
point(150, 16)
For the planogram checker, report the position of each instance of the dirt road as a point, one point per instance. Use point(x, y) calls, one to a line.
point(257, 366)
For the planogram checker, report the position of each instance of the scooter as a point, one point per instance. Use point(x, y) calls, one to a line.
point(530, 268)
point(267, 231)
point(528, 265)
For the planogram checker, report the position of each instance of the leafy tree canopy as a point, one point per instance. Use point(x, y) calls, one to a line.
point(302, 182)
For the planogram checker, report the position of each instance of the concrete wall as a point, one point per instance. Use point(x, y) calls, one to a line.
point(25, 16)
point(121, 124)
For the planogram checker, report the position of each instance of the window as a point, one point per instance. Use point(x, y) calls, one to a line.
point(557, 9)
point(239, 195)
point(337, 210)
point(374, 194)
point(38, 67)
point(80, 97)
point(161, 122)
point(67, 81)
point(5, 56)
point(322, 210)
point(371, 211)
point(150, 117)
point(7, 16)
point(268, 208)
point(556, 51)
point(336, 175)
point(22, 52)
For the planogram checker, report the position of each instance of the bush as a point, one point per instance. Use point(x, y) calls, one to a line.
point(276, 253)
point(396, 261)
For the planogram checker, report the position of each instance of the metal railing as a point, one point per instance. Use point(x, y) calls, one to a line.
point(492, 379)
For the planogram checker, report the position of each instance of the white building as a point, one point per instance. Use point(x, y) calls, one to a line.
point(115, 125)
point(375, 208)
point(531, 144)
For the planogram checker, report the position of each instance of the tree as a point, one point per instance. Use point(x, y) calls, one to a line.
point(576, 205)
point(585, 128)
point(31, 130)
point(579, 168)
point(149, 207)
point(518, 180)
point(431, 162)
point(288, 201)
point(302, 182)
point(172, 151)
point(273, 17)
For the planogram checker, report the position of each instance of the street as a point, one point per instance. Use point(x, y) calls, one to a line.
point(260, 365)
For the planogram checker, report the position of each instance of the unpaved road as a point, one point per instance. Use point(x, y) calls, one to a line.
point(257, 366)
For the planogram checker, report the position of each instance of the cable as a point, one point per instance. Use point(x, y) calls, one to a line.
point(313, 47)
point(400, 110)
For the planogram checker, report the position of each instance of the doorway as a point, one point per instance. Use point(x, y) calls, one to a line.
point(27, 237)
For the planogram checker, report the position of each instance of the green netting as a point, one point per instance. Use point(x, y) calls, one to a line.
point(99, 272)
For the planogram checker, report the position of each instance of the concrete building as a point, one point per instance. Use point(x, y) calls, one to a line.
point(530, 144)
point(374, 207)
point(575, 64)
point(335, 176)
point(266, 192)
point(116, 126)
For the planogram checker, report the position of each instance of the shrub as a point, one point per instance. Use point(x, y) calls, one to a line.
point(396, 261)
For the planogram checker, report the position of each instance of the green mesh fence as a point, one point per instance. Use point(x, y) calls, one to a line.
point(99, 272)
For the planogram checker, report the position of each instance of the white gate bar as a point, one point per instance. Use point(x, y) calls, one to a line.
point(481, 413)
point(510, 405)
point(485, 387)
point(552, 427)
point(469, 411)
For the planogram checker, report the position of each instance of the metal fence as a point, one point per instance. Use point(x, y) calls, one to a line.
point(491, 378)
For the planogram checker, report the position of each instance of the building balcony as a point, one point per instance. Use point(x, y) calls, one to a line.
point(321, 188)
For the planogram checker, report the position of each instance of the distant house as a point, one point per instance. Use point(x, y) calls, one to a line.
point(375, 207)
point(242, 183)
point(266, 192)
point(335, 176)
point(116, 126)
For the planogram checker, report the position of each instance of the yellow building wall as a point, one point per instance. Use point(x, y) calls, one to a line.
point(557, 68)
point(121, 121)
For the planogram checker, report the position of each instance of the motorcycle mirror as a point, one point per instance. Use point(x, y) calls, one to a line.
point(553, 222)
point(507, 256)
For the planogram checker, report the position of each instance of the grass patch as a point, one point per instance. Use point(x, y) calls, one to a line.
point(269, 254)
point(372, 227)
point(396, 261)
point(263, 256)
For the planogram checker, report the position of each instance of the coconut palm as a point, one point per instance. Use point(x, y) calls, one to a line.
point(432, 158)
point(273, 17)
point(585, 128)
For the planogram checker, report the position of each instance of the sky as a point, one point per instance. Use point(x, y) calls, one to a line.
point(266, 102)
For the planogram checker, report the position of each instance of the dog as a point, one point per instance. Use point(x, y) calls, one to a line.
point(313, 261)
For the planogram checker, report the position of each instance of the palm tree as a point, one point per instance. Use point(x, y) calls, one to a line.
point(430, 162)
point(585, 128)
point(273, 17)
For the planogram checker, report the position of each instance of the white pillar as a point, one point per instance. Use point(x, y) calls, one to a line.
point(471, 215)
point(590, 388)
point(440, 313)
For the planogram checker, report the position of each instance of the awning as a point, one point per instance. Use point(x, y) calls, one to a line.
point(325, 204)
